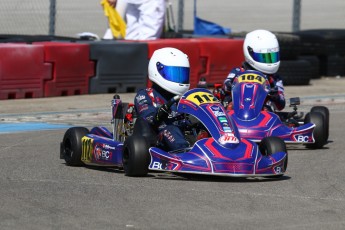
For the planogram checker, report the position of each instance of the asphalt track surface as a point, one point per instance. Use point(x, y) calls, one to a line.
point(38, 191)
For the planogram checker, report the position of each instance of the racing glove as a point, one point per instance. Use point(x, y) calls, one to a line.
point(162, 113)
point(228, 82)
point(218, 92)
point(274, 94)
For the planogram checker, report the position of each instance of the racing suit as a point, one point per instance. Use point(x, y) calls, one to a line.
point(170, 137)
point(277, 99)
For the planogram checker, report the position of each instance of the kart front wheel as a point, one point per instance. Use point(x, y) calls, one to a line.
point(136, 158)
point(320, 132)
point(271, 145)
point(71, 145)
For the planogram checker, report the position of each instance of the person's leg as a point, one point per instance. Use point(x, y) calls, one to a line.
point(171, 138)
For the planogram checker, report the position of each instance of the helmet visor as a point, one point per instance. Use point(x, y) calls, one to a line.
point(270, 57)
point(176, 74)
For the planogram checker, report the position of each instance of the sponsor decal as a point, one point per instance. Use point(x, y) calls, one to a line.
point(224, 124)
point(270, 50)
point(215, 108)
point(278, 170)
point(302, 138)
point(143, 102)
point(232, 75)
point(228, 138)
point(169, 136)
point(143, 108)
point(218, 113)
point(102, 154)
point(87, 149)
point(222, 119)
point(156, 165)
point(226, 129)
point(106, 146)
point(140, 97)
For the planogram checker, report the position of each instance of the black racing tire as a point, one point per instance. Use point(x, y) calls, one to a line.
point(315, 65)
point(136, 157)
point(71, 146)
point(329, 41)
point(295, 72)
point(325, 112)
point(270, 145)
point(320, 130)
point(334, 65)
point(290, 46)
point(311, 43)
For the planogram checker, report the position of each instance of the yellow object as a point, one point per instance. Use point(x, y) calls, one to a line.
point(199, 98)
point(116, 23)
point(252, 78)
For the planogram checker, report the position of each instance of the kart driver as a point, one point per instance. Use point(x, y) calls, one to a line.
point(261, 52)
point(168, 71)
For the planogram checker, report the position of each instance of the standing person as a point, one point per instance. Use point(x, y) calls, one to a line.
point(261, 52)
point(144, 18)
point(169, 71)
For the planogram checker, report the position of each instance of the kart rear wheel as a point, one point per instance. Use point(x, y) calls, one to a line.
point(271, 145)
point(71, 146)
point(136, 158)
point(320, 132)
point(325, 112)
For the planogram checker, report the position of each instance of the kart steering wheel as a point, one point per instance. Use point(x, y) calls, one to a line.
point(163, 111)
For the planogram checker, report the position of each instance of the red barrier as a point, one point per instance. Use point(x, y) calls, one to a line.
point(218, 56)
point(22, 71)
point(72, 68)
point(188, 46)
point(59, 69)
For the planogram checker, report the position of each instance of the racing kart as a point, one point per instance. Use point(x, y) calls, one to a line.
point(132, 144)
point(255, 120)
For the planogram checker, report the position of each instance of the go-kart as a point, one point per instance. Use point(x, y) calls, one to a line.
point(132, 145)
point(255, 120)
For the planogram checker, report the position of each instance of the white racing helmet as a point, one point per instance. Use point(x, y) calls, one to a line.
point(169, 68)
point(261, 51)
